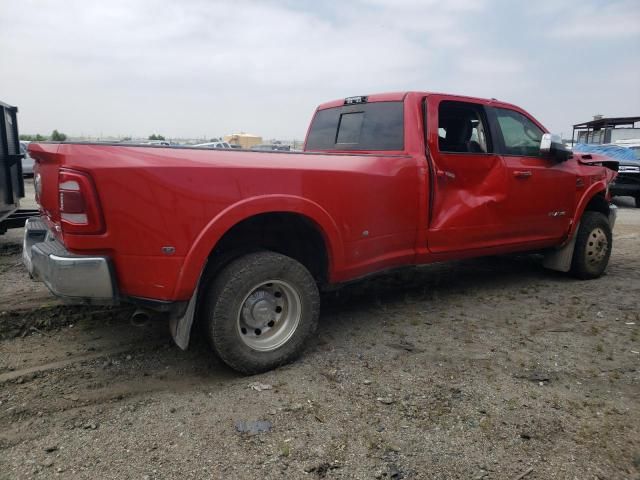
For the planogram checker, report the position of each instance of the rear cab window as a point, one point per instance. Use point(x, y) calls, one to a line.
point(376, 126)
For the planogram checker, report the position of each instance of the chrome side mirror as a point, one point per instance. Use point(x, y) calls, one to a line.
point(552, 146)
point(547, 141)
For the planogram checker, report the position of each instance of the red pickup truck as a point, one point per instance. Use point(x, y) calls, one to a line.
point(243, 241)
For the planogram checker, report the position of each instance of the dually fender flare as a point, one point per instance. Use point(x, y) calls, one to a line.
point(560, 259)
point(588, 195)
point(195, 262)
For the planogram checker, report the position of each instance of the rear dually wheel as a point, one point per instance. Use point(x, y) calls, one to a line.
point(260, 311)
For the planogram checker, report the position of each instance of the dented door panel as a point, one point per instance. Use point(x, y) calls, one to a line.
point(470, 202)
point(470, 192)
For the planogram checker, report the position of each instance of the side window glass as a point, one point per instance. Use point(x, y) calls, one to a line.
point(462, 128)
point(521, 136)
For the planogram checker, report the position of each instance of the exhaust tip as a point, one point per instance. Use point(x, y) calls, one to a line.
point(140, 318)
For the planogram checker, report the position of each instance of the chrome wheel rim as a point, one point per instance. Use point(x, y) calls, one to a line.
point(269, 315)
point(597, 246)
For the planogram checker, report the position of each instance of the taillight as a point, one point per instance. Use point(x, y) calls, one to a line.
point(78, 202)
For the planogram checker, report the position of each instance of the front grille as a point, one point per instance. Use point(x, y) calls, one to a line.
point(627, 179)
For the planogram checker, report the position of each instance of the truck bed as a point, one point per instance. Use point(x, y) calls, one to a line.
point(154, 197)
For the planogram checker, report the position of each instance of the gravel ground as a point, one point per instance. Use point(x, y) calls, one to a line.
point(483, 369)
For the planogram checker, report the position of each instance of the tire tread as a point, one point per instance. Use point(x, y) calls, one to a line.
point(588, 222)
point(222, 298)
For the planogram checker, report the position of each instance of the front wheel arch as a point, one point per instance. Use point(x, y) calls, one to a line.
point(595, 200)
point(598, 203)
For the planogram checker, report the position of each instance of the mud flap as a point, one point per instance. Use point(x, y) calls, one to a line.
point(560, 259)
point(613, 215)
point(181, 326)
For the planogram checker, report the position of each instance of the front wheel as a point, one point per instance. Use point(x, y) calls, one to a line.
point(260, 311)
point(637, 199)
point(593, 246)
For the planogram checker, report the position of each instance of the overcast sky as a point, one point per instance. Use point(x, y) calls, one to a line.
point(196, 68)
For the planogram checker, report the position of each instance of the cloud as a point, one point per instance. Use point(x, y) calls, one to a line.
point(201, 68)
point(490, 65)
point(592, 20)
point(189, 52)
point(427, 7)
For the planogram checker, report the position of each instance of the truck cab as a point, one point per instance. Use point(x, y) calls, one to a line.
point(487, 183)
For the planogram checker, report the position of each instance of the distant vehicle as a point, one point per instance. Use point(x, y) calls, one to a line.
point(164, 143)
point(627, 153)
point(27, 161)
point(633, 144)
point(627, 183)
point(214, 145)
point(261, 147)
point(270, 147)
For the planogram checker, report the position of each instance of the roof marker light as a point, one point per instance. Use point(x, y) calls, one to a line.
point(355, 100)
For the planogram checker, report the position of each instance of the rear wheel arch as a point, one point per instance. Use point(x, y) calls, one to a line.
point(209, 239)
point(290, 234)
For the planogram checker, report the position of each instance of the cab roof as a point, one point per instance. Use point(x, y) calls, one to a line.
point(400, 96)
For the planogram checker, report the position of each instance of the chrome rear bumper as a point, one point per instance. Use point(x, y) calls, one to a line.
point(74, 278)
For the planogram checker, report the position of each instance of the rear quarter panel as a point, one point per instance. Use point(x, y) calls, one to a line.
point(366, 207)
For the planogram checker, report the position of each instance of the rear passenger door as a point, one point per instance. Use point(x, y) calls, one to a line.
point(541, 190)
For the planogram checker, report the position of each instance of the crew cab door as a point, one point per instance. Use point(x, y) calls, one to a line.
point(470, 184)
point(541, 190)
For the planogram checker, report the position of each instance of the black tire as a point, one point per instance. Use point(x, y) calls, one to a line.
point(235, 286)
point(637, 199)
point(593, 246)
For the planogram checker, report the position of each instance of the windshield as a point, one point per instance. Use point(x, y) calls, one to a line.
point(366, 126)
point(636, 150)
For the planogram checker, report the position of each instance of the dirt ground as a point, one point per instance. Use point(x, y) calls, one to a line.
point(483, 369)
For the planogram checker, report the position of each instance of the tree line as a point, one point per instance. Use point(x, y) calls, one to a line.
point(55, 136)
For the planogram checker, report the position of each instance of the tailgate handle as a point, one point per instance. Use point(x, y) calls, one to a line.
point(522, 173)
